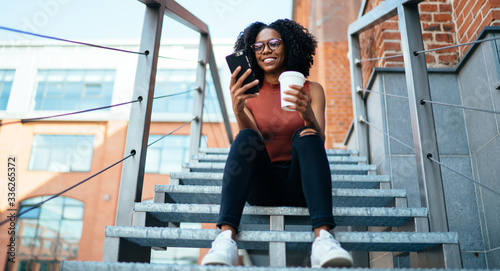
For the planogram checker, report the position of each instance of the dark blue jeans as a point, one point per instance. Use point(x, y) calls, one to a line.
point(249, 176)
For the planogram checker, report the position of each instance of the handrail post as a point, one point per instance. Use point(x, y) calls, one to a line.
point(132, 176)
point(422, 118)
point(361, 258)
point(199, 96)
point(359, 105)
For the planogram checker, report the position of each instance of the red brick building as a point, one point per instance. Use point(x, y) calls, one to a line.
point(444, 23)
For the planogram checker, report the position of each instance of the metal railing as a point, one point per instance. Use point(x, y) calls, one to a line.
point(140, 116)
point(143, 92)
point(422, 119)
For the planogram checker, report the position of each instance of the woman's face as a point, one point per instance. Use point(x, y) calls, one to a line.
point(270, 61)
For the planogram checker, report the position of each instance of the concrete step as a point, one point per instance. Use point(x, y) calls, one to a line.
point(341, 197)
point(332, 159)
point(344, 216)
point(338, 181)
point(329, 152)
point(108, 266)
point(259, 240)
point(335, 168)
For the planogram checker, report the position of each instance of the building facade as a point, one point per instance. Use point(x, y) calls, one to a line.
point(41, 78)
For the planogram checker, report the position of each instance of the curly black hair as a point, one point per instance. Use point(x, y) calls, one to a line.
point(300, 45)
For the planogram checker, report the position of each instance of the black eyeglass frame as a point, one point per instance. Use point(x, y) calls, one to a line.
point(264, 45)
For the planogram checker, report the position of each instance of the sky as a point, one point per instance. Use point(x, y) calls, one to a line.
point(122, 19)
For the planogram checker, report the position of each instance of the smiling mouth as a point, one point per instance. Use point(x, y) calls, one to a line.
point(269, 60)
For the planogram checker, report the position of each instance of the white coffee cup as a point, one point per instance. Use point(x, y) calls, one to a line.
point(286, 79)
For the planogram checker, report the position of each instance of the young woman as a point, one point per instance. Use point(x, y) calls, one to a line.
point(278, 158)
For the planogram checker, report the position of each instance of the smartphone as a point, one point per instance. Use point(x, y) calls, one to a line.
point(239, 58)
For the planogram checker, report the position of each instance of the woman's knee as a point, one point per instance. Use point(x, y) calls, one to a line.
point(307, 132)
point(304, 132)
point(248, 144)
point(245, 133)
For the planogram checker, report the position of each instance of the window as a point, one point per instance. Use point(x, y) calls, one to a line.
point(73, 89)
point(175, 81)
point(6, 78)
point(168, 154)
point(50, 233)
point(61, 153)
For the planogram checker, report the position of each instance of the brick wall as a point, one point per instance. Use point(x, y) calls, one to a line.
point(472, 16)
point(331, 65)
point(444, 23)
point(438, 30)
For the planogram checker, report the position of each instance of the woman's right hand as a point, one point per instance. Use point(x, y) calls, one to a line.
point(238, 95)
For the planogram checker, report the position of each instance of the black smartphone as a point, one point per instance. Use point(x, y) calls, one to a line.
point(239, 58)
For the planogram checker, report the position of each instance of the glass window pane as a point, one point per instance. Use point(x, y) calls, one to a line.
point(168, 154)
point(48, 228)
point(94, 76)
point(56, 75)
point(173, 82)
point(50, 104)
point(93, 90)
point(51, 211)
point(26, 227)
point(88, 103)
point(60, 157)
point(55, 201)
point(39, 95)
point(153, 160)
point(30, 214)
point(54, 89)
point(71, 229)
point(75, 76)
point(82, 153)
point(73, 212)
point(70, 104)
point(5, 88)
point(62, 153)
point(40, 158)
point(73, 89)
point(52, 235)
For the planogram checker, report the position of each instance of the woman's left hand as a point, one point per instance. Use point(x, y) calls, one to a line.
point(302, 102)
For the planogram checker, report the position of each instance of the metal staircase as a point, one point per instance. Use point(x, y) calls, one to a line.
point(361, 201)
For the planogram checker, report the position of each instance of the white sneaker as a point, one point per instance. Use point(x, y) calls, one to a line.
point(326, 252)
point(223, 252)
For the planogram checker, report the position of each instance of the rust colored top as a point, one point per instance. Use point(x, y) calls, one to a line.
point(276, 125)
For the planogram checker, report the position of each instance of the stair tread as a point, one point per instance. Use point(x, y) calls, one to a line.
point(338, 181)
point(210, 189)
point(331, 159)
point(122, 266)
point(334, 168)
point(344, 216)
point(336, 177)
point(328, 151)
point(220, 165)
point(352, 241)
point(206, 194)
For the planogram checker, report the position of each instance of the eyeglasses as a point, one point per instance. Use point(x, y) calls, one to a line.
point(259, 47)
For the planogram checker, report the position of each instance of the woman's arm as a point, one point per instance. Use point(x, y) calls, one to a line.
point(318, 104)
point(311, 110)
